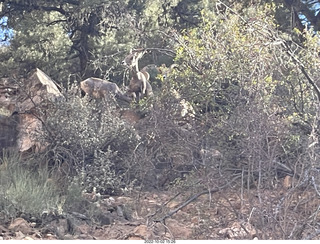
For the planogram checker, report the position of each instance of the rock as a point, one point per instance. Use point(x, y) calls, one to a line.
point(237, 231)
point(20, 225)
point(50, 237)
point(141, 232)
point(178, 230)
point(20, 125)
point(68, 237)
point(82, 229)
point(29, 128)
point(28, 238)
point(37, 88)
point(61, 228)
point(20, 235)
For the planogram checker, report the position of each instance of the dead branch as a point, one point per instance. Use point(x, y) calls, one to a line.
point(191, 199)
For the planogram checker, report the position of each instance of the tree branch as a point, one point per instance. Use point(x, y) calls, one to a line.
point(302, 69)
point(56, 22)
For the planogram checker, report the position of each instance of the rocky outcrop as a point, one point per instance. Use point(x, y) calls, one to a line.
point(21, 101)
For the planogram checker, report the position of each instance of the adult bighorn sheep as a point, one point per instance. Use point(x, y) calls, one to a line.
point(139, 86)
point(99, 88)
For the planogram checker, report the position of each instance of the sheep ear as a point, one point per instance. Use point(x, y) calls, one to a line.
point(130, 50)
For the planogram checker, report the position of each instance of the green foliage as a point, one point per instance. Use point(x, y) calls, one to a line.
point(85, 38)
point(32, 191)
point(232, 63)
point(87, 125)
point(246, 87)
point(233, 55)
point(100, 173)
point(90, 136)
point(25, 188)
point(46, 46)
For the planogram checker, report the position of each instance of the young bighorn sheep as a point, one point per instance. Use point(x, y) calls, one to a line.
point(99, 88)
point(139, 85)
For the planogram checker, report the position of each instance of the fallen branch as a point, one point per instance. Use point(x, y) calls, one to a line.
point(174, 211)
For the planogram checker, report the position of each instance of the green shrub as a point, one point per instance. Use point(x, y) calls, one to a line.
point(89, 135)
point(30, 191)
point(25, 188)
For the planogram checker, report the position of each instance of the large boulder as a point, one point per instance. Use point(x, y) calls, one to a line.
point(37, 91)
point(20, 103)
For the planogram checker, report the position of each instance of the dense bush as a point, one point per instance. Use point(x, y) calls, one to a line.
point(247, 91)
point(88, 135)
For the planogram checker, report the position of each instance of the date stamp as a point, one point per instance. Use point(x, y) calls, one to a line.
point(159, 241)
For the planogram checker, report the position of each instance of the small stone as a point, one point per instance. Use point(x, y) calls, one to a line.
point(68, 237)
point(33, 224)
point(195, 220)
point(141, 230)
point(28, 238)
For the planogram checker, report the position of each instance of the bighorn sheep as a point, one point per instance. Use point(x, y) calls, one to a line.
point(139, 85)
point(99, 88)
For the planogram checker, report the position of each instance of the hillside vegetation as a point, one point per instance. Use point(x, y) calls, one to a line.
point(230, 135)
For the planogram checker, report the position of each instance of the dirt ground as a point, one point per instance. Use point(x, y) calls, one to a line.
point(224, 215)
